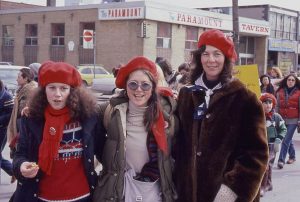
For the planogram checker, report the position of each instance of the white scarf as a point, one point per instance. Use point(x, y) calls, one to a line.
point(208, 92)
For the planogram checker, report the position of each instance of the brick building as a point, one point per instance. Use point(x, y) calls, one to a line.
point(122, 30)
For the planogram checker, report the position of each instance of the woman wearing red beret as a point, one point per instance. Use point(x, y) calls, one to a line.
point(54, 158)
point(221, 152)
point(136, 160)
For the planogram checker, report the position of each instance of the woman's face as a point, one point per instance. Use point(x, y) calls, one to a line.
point(290, 82)
point(57, 94)
point(139, 88)
point(20, 80)
point(265, 81)
point(212, 60)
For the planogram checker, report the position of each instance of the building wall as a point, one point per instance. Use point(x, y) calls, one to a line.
point(118, 41)
point(178, 45)
point(149, 47)
point(261, 54)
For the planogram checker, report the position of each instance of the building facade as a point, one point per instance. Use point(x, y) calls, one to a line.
point(122, 31)
point(283, 42)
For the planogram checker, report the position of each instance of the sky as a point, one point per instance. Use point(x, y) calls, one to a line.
point(290, 4)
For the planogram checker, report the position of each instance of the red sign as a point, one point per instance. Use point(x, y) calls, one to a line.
point(87, 36)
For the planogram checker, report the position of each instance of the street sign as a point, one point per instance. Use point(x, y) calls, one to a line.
point(88, 39)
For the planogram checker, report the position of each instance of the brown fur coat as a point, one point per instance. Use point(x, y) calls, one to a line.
point(229, 146)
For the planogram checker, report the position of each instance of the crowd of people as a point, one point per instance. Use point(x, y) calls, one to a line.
point(192, 134)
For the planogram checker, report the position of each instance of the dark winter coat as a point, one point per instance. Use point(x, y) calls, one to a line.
point(6, 106)
point(229, 146)
point(30, 139)
point(111, 180)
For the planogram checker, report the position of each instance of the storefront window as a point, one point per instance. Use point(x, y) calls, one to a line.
point(7, 35)
point(273, 24)
point(58, 34)
point(279, 26)
point(164, 33)
point(31, 34)
point(191, 38)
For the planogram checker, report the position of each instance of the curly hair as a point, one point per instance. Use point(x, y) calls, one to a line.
point(225, 75)
point(81, 102)
point(283, 83)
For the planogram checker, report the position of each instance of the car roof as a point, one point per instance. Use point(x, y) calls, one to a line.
point(12, 67)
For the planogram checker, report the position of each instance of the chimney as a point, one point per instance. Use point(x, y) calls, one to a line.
point(51, 3)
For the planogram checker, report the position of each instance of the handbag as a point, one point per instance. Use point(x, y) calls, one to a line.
point(135, 190)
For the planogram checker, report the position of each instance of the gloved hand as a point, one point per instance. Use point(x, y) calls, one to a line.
point(277, 144)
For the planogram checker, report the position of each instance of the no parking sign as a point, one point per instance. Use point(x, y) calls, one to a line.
point(88, 39)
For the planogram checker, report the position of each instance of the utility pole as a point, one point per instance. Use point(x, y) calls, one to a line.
point(235, 28)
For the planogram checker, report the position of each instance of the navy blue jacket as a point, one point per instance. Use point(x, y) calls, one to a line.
point(30, 139)
point(6, 107)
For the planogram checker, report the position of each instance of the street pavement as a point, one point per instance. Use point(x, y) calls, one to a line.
point(286, 181)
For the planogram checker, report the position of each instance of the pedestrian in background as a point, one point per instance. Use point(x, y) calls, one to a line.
point(288, 99)
point(54, 158)
point(26, 85)
point(221, 151)
point(137, 163)
point(266, 85)
point(171, 76)
point(276, 130)
point(6, 106)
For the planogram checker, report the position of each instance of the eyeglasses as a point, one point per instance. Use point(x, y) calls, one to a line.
point(133, 85)
point(291, 80)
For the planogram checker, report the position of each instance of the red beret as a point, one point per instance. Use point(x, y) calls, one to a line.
point(58, 72)
point(266, 96)
point(137, 63)
point(219, 40)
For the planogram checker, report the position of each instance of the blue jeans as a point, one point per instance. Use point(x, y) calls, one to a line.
point(287, 145)
point(6, 165)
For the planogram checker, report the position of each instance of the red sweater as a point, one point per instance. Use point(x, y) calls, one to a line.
point(68, 180)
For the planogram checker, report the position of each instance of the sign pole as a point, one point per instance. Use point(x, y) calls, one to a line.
point(94, 54)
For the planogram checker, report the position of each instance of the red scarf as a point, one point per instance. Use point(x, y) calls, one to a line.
point(55, 121)
point(158, 130)
point(269, 114)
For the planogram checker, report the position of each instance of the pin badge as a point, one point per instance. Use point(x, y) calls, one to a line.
point(52, 131)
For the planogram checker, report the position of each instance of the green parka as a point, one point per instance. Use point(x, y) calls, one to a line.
point(111, 179)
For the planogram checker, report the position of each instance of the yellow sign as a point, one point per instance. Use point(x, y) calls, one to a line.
point(248, 74)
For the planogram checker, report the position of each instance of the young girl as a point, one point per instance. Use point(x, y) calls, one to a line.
point(276, 131)
point(54, 159)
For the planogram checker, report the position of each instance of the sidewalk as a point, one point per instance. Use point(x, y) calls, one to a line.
point(6, 188)
point(287, 180)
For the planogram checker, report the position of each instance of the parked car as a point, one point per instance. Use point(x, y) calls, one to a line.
point(5, 63)
point(9, 75)
point(104, 86)
point(87, 73)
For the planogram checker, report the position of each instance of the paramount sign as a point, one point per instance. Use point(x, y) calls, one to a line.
point(121, 13)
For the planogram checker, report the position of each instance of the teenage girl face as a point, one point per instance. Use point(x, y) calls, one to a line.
point(57, 94)
point(212, 60)
point(265, 81)
point(267, 106)
point(139, 88)
point(291, 81)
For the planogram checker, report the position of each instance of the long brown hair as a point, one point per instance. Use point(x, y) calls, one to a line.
point(197, 70)
point(81, 102)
